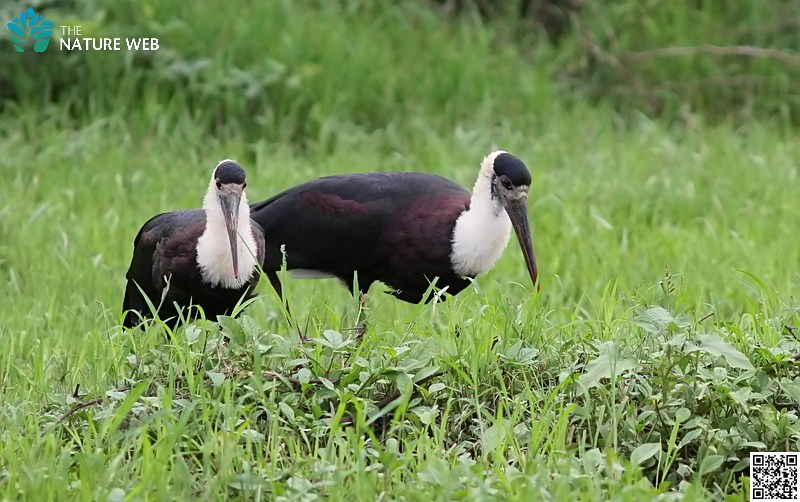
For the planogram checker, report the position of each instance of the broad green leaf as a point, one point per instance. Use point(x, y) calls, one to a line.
point(287, 410)
point(396, 351)
point(426, 414)
point(644, 452)
point(743, 395)
point(607, 365)
point(656, 320)
point(116, 495)
point(252, 435)
point(519, 353)
point(593, 460)
point(437, 473)
point(116, 395)
point(402, 380)
point(710, 464)
point(689, 437)
point(300, 361)
point(233, 329)
point(216, 378)
point(410, 364)
point(333, 338)
point(791, 389)
point(193, 333)
point(304, 375)
point(250, 327)
point(425, 373)
point(326, 383)
point(491, 436)
point(716, 346)
point(436, 387)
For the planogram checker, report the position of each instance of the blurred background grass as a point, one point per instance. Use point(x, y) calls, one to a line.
point(294, 72)
point(641, 120)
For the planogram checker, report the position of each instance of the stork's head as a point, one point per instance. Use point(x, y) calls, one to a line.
point(511, 180)
point(229, 182)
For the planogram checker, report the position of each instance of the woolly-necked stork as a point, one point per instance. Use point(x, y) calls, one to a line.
point(401, 228)
point(205, 257)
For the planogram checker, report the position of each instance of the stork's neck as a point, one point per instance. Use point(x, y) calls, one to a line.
point(482, 231)
point(214, 251)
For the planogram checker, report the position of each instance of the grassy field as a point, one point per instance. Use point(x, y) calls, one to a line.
point(656, 356)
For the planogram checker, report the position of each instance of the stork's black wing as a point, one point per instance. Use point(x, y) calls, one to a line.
point(259, 237)
point(336, 222)
point(371, 223)
point(145, 266)
point(140, 272)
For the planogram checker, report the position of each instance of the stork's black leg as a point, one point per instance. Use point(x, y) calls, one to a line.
point(362, 310)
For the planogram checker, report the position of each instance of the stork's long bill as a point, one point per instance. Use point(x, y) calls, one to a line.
point(230, 196)
point(517, 209)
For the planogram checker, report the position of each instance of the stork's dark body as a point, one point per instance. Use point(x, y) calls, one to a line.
point(395, 228)
point(166, 250)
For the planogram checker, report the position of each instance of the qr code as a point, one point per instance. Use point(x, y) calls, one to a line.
point(774, 477)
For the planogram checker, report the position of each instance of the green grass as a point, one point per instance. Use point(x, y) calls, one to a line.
point(653, 360)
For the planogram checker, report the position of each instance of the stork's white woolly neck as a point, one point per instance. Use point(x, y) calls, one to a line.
point(213, 249)
point(482, 231)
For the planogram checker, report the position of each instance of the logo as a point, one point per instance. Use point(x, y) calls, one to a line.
point(33, 27)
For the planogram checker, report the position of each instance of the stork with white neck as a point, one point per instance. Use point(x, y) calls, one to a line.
point(203, 257)
point(403, 229)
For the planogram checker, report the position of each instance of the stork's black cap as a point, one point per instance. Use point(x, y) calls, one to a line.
point(514, 169)
point(229, 171)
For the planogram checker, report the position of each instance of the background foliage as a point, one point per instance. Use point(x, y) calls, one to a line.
point(666, 59)
point(662, 140)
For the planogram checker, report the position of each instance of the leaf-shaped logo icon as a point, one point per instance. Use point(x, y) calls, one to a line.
point(33, 27)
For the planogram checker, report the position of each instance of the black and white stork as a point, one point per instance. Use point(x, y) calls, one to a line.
point(205, 257)
point(403, 229)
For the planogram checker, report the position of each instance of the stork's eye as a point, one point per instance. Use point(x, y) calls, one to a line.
point(506, 183)
point(219, 185)
point(244, 185)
